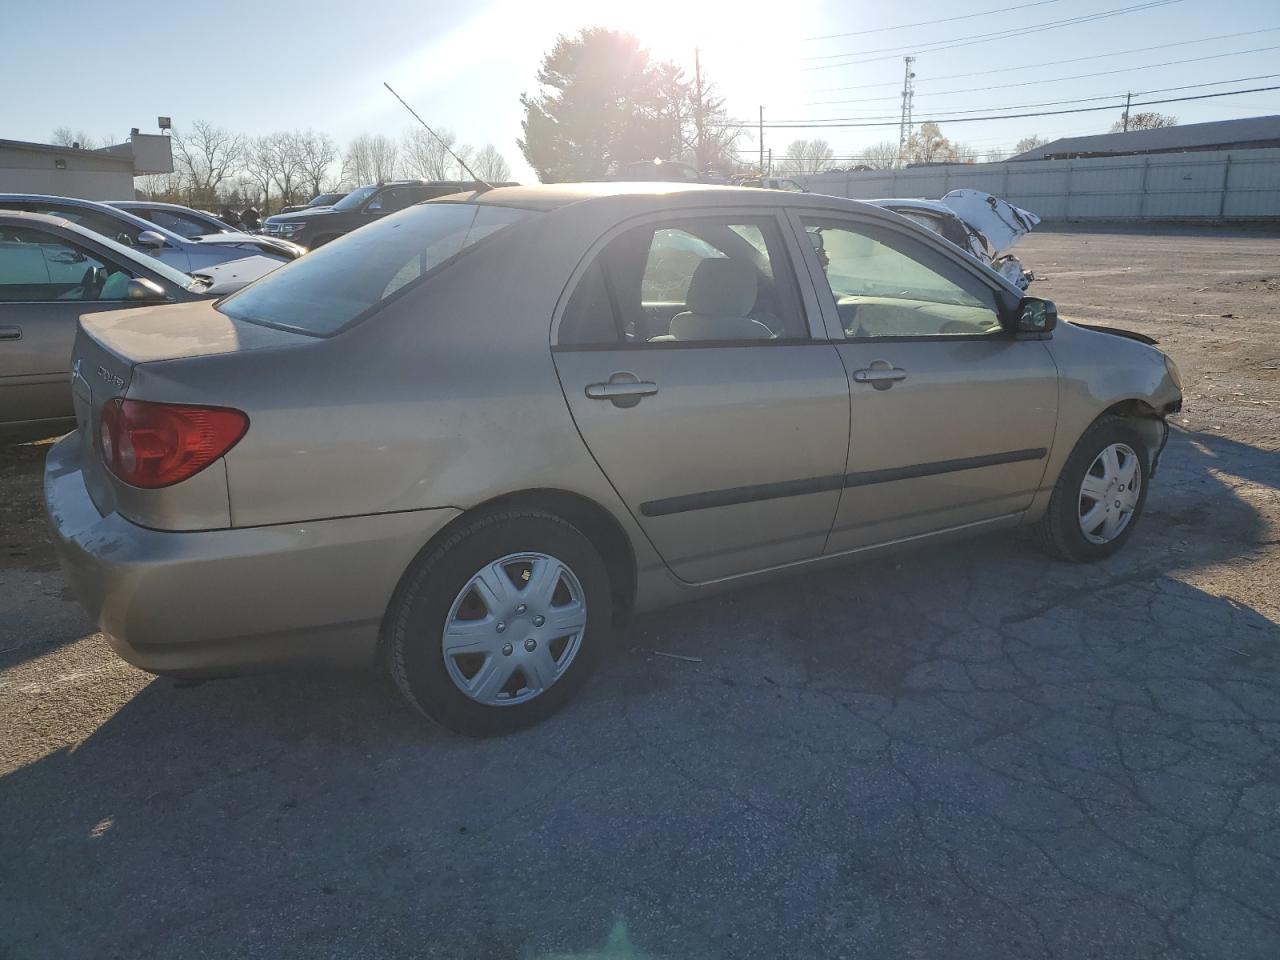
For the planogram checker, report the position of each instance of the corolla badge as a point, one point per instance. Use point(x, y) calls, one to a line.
point(110, 377)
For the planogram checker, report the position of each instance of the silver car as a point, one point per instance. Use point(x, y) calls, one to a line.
point(52, 272)
point(474, 437)
point(199, 225)
point(181, 253)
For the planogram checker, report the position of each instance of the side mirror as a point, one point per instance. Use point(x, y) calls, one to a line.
point(149, 238)
point(142, 290)
point(1036, 315)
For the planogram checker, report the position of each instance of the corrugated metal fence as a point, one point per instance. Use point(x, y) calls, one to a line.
point(1211, 185)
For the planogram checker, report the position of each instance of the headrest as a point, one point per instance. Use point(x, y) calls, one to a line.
point(722, 287)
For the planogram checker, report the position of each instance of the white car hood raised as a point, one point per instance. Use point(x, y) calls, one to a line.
point(998, 220)
point(230, 276)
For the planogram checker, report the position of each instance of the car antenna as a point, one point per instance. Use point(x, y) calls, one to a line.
point(462, 163)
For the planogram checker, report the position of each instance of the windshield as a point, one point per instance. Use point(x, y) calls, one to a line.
point(355, 198)
point(321, 293)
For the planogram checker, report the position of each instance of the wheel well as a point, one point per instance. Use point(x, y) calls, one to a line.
point(1145, 419)
point(1130, 408)
point(596, 523)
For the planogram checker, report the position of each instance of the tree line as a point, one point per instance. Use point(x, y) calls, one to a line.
point(214, 167)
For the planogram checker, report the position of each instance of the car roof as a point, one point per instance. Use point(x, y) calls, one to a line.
point(20, 218)
point(92, 205)
point(552, 196)
point(906, 203)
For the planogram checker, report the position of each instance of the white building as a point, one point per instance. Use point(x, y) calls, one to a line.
point(104, 174)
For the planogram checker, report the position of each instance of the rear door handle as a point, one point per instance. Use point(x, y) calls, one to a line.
point(10, 333)
point(623, 389)
point(607, 391)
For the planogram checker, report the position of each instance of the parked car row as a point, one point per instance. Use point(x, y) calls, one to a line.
point(317, 224)
point(469, 439)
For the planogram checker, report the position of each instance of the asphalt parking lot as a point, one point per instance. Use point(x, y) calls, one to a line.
point(970, 752)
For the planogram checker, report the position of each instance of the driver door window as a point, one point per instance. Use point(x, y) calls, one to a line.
point(889, 285)
point(37, 266)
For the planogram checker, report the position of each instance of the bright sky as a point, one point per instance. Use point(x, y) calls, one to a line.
point(261, 66)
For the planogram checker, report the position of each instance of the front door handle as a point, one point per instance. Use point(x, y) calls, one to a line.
point(881, 374)
point(10, 333)
point(624, 389)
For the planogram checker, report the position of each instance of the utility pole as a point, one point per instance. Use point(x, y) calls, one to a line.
point(1127, 98)
point(908, 93)
point(761, 128)
point(700, 144)
point(770, 173)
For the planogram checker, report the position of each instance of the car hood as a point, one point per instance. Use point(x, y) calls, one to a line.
point(1117, 332)
point(305, 214)
point(228, 277)
point(999, 221)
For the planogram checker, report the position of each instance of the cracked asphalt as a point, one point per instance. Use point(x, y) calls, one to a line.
point(966, 752)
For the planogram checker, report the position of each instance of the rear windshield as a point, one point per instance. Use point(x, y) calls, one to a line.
point(322, 292)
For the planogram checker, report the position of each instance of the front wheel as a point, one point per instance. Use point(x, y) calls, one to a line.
point(1100, 493)
point(499, 626)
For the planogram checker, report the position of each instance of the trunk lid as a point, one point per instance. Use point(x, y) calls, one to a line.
point(109, 348)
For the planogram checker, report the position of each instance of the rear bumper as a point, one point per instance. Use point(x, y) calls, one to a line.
point(219, 602)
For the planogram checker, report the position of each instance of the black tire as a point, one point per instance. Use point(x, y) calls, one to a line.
point(418, 611)
point(1058, 531)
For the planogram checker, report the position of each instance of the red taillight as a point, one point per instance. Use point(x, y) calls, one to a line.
point(159, 444)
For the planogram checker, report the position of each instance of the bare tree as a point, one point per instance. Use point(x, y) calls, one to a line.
point(1033, 142)
point(205, 156)
point(490, 165)
point(370, 158)
point(260, 167)
point(994, 155)
point(317, 152)
point(806, 157)
point(963, 153)
point(288, 163)
point(881, 156)
point(1144, 121)
point(66, 137)
point(928, 145)
point(425, 156)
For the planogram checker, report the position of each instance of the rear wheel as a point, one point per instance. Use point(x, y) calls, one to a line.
point(499, 626)
point(1099, 495)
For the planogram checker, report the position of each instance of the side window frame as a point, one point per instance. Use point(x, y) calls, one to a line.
point(83, 248)
point(790, 257)
point(1005, 297)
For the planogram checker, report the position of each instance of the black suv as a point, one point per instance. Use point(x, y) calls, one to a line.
point(314, 227)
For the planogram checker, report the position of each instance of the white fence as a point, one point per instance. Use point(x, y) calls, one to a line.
point(1211, 185)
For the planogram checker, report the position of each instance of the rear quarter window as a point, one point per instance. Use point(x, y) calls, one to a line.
point(330, 288)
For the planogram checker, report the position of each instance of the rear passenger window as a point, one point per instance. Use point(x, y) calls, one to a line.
point(699, 280)
point(588, 316)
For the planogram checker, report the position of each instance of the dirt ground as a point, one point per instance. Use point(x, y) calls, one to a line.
point(965, 752)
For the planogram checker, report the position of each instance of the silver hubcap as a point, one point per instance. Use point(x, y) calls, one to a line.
point(1109, 493)
point(514, 629)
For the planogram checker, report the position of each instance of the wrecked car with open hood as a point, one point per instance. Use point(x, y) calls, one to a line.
point(976, 222)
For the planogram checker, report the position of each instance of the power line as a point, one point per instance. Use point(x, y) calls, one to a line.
point(1031, 83)
point(1018, 116)
point(947, 114)
point(935, 46)
point(927, 23)
point(1054, 63)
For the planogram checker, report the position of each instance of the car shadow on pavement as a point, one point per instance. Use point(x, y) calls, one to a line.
point(969, 751)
